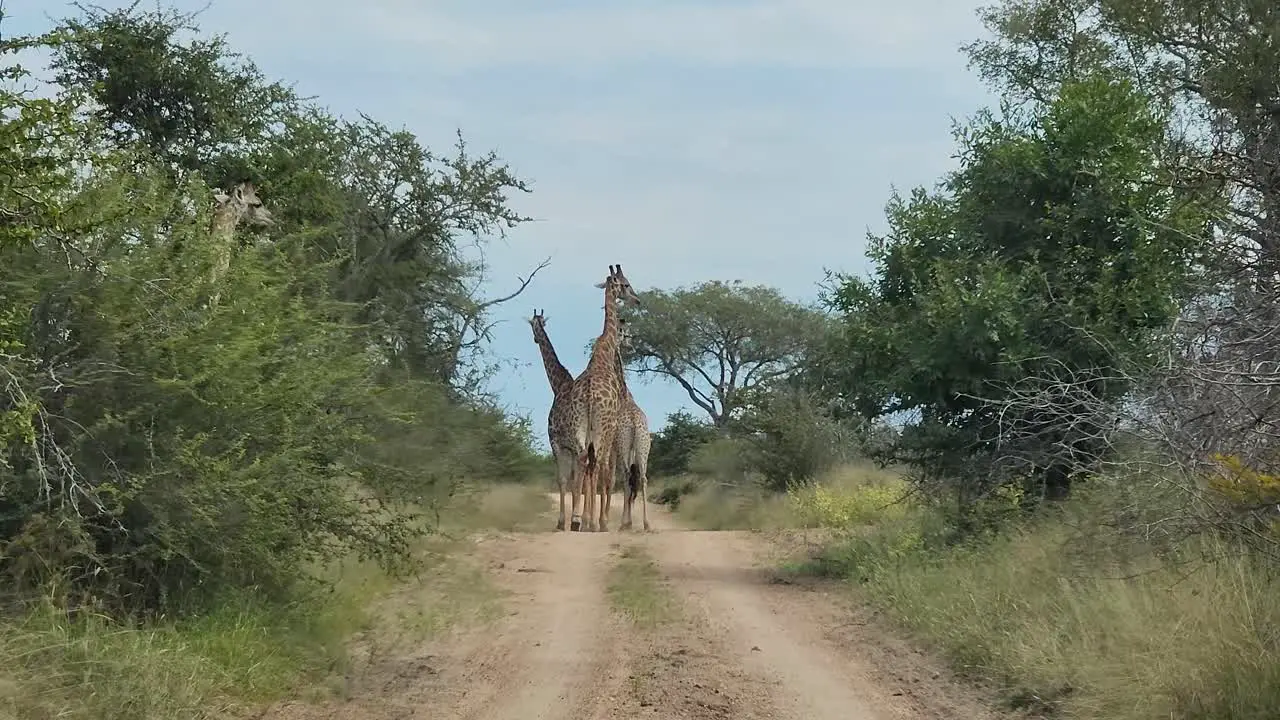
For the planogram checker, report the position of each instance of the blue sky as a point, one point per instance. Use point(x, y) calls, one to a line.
point(754, 140)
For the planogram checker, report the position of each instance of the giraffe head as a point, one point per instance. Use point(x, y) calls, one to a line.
point(539, 324)
point(243, 205)
point(618, 286)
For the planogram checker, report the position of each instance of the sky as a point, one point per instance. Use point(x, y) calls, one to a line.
point(752, 140)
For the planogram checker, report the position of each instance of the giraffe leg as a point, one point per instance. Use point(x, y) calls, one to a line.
point(604, 477)
point(590, 479)
point(564, 478)
point(578, 486)
point(627, 499)
point(643, 480)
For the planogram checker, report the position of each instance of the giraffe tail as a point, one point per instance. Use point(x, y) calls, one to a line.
point(633, 479)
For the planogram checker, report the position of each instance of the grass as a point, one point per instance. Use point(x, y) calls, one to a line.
point(248, 652)
point(859, 491)
point(1078, 625)
point(636, 589)
point(243, 653)
point(508, 508)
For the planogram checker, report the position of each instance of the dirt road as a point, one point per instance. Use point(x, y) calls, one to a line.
point(745, 646)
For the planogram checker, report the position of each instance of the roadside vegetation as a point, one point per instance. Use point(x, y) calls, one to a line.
point(1060, 360)
point(219, 461)
point(1038, 433)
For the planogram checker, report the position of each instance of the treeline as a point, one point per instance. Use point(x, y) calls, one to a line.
point(1092, 293)
point(185, 413)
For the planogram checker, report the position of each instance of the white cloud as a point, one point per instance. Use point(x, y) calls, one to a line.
point(789, 33)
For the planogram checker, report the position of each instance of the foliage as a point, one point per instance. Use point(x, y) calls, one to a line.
point(792, 439)
point(1211, 67)
point(374, 205)
point(817, 505)
point(1065, 618)
point(1213, 64)
point(160, 451)
point(841, 499)
point(721, 342)
point(725, 461)
point(1247, 491)
point(674, 445)
point(246, 651)
point(188, 107)
point(1054, 249)
point(672, 491)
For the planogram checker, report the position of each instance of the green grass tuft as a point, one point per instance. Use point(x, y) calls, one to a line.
point(637, 590)
point(248, 651)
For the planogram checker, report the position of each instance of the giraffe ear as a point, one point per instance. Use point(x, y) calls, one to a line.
point(221, 197)
point(600, 285)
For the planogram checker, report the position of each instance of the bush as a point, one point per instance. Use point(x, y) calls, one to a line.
point(159, 450)
point(716, 507)
point(724, 460)
point(792, 440)
point(675, 444)
point(673, 490)
point(191, 450)
point(842, 499)
point(1068, 619)
point(844, 509)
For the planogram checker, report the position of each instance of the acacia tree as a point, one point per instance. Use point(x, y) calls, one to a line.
point(721, 342)
point(676, 443)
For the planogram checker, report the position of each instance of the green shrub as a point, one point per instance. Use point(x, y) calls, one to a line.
point(1078, 624)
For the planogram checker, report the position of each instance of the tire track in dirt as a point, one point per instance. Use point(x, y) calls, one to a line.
point(554, 655)
point(787, 651)
point(745, 647)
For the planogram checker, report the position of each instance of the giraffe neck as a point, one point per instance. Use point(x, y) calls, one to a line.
point(605, 353)
point(557, 375)
point(225, 220)
point(622, 373)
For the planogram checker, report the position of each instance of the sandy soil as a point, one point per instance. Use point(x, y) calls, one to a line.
point(747, 646)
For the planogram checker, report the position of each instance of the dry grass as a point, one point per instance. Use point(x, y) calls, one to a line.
point(508, 508)
point(248, 652)
point(1058, 616)
point(1059, 631)
point(719, 507)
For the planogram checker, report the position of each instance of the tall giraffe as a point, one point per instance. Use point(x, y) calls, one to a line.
point(633, 444)
point(241, 205)
point(559, 431)
point(594, 401)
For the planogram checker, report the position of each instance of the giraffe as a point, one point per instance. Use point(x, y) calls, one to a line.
point(594, 404)
point(558, 429)
point(241, 205)
point(632, 447)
